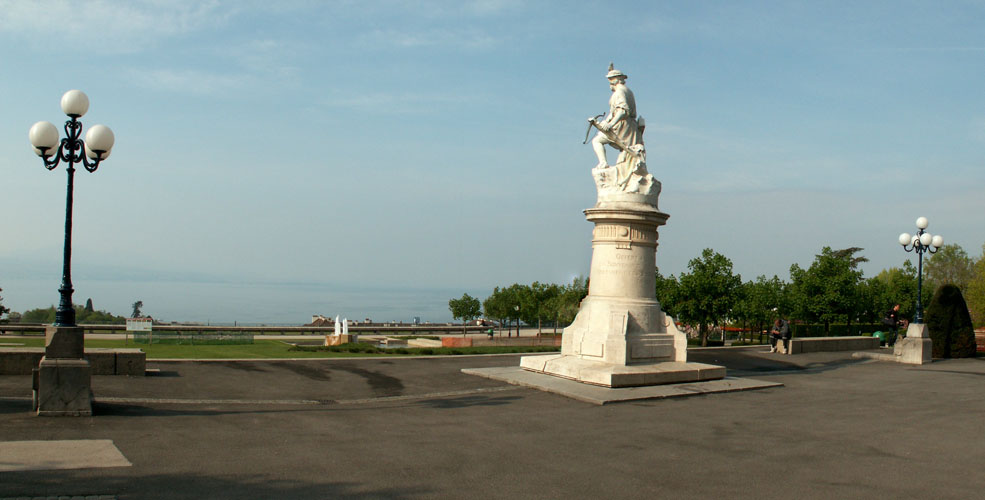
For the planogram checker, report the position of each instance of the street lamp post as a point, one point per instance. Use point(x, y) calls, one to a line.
point(922, 242)
point(64, 378)
point(72, 149)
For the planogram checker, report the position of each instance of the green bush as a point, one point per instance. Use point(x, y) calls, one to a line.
point(950, 324)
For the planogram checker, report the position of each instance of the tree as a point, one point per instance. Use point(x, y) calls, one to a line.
point(3, 310)
point(505, 304)
point(495, 305)
point(537, 302)
point(667, 293)
point(47, 316)
point(950, 324)
point(518, 302)
point(949, 265)
point(564, 306)
point(708, 292)
point(828, 290)
point(466, 309)
point(898, 286)
point(760, 302)
point(976, 291)
point(136, 308)
point(89, 307)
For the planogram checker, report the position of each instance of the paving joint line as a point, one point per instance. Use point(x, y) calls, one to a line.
point(289, 402)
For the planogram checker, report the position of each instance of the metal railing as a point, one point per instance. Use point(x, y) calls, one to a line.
point(20, 328)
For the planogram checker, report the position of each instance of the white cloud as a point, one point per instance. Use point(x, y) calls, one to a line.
point(467, 38)
point(189, 81)
point(402, 102)
point(108, 26)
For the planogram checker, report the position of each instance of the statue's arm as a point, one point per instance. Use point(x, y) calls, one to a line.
point(617, 115)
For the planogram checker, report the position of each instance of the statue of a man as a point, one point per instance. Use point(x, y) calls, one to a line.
point(620, 128)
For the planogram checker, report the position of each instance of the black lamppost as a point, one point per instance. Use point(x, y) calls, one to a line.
point(920, 243)
point(96, 147)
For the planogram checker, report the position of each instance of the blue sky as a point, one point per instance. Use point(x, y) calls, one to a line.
point(437, 145)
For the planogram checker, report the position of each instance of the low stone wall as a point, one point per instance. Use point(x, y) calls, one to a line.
point(22, 360)
point(517, 341)
point(818, 344)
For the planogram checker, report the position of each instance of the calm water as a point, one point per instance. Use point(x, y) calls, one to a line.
point(247, 303)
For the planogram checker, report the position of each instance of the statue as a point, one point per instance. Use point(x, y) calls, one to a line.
point(622, 130)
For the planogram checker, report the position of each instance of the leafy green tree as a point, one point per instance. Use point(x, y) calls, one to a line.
point(976, 291)
point(949, 265)
point(828, 290)
point(871, 294)
point(43, 316)
point(520, 303)
point(899, 286)
point(668, 293)
point(537, 303)
point(3, 310)
point(495, 305)
point(466, 309)
point(950, 324)
point(136, 309)
point(708, 292)
point(760, 302)
point(506, 303)
point(564, 306)
point(89, 307)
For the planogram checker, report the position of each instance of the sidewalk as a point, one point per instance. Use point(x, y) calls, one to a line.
point(419, 428)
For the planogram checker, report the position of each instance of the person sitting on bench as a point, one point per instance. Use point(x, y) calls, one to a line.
point(781, 330)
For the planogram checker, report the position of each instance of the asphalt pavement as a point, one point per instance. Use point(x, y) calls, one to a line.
point(419, 428)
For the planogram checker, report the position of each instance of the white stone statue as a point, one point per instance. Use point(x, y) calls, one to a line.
point(338, 327)
point(622, 130)
point(345, 326)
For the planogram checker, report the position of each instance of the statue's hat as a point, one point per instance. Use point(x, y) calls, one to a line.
point(615, 73)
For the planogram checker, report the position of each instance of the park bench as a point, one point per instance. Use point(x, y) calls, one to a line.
point(801, 345)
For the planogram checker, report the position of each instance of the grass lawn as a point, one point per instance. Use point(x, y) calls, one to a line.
point(261, 349)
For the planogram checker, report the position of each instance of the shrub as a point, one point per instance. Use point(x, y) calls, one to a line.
point(950, 324)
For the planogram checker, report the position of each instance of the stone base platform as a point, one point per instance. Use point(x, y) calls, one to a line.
point(915, 349)
point(612, 375)
point(605, 395)
point(63, 388)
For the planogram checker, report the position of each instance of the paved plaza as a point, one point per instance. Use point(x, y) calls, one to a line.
point(420, 428)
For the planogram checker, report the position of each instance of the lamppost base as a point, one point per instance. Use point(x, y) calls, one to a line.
point(916, 348)
point(63, 381)
point(64, 342)
point(63, 387)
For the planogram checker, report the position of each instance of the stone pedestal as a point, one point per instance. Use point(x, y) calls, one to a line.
point(621, 337)
point(916, 348)
point(346, 338)
point(64, 342)
point(64, 381)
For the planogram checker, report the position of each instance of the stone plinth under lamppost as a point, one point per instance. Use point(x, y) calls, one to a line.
point(63, 383)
